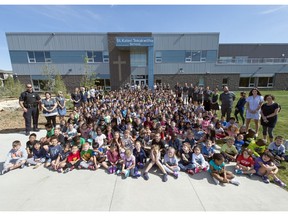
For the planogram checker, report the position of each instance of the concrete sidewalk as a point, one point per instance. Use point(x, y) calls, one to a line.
point(83, 190)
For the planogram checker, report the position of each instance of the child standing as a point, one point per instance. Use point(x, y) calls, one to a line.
point(155, 158)
point(245, 163)
point(171, 162)
point(228, 150)
point(265, 167)
point(198, 161)
point(16, 157)
point(218, 171)
point(185, 162)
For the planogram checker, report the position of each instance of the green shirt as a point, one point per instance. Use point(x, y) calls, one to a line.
point(229, 150)
point(50, 133)
point(86, 155)
point(257, 150)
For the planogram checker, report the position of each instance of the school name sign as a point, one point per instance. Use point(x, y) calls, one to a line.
point(134, 41)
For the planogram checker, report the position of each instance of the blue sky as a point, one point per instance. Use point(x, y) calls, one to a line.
point(236, 23)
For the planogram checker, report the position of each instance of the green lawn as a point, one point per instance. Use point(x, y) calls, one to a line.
point(281, 126)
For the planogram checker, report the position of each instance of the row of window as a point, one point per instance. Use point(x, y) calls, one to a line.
point(45, 56)
point(256, 81)
point(188, 56)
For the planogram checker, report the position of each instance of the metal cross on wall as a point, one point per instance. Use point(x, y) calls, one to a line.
point(119, 62)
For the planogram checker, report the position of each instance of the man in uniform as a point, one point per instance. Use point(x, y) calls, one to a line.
point(30, 101)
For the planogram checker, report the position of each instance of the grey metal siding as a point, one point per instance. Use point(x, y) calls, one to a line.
point(254, 50)
point(63, 69)
point(189, 41)
point(59, 41)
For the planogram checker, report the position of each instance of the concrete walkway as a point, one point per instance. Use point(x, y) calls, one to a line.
point(83, 190)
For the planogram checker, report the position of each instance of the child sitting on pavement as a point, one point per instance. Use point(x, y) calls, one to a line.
point(265, 167)
point(198, 161)
point(278, 149)
point(38, 156)
point(73, 159)
point(185, 162)
point(219, 173)
point(16, 157)
point(171, 163)
point(245, 163)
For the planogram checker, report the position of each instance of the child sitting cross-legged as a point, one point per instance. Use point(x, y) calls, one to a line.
point(218, 171)
point(198, 161)
point(245, 163)
point(185, 162)
point(228, 150)
point(128, 166)
point(73, 159)
point(38, 156)
point(88, 161)
point(171, 162)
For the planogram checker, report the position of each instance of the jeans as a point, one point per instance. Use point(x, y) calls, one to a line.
point(176, 169)
point(185, 167)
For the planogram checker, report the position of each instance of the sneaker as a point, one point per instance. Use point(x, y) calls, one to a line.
point(60, 170)
point(110, 170)
point(66, 170)
point(114, 169)
point(280, 183)
point(190, 171)
point(176, 175)
point(165, 178)
point(238, 171)
point(22, 166)
point(250, 175)
point(146, 177)
point(27, 133)
point(118, 171)
point(4, 171)
point(265, 179)
point(205, 169)
point(216, 181)
point(91, 168)
point(127, 173)
point(197, 170)
point(28, 164)
point(235, 182)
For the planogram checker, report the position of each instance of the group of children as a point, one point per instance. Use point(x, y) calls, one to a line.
point(129, 137)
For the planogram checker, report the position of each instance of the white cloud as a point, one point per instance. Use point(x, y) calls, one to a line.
point(273, 10)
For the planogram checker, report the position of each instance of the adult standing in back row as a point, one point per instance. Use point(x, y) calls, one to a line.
point(226, 98)
point(30, 102)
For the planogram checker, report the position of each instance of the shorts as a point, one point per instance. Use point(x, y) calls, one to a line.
point(255, 116)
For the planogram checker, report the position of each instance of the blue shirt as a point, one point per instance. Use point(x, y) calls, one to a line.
point(206, 151)
point(215, 166)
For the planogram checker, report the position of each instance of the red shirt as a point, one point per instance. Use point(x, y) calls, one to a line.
point(73, 157)
point(245, 162)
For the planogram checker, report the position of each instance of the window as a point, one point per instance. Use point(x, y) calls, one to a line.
point(39, 56)
point(225, 81)
point(94, 56)
point(158, 57)
point(265, 82)
point(105, 57)
point(247, 82)
point(188, 56)
point(241, 59)
point(31, 57)
point(138, 57)
point(203, 56)
point(196, 56)
point(225, 59)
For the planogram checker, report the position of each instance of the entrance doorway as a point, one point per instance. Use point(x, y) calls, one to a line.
point(140, 82)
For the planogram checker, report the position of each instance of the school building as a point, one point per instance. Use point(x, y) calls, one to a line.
point(118, 58)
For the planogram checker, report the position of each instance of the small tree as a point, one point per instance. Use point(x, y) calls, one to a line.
point(89, 75)
point(59, 85)
point(12, 88)
point(49, 73)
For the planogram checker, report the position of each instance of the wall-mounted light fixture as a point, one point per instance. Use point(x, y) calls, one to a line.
point(181, 70)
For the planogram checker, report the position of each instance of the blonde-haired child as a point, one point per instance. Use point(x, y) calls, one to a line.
point(128, 166)
point(171, 162)
point(218, 171)
point(155, 158)
point(228, 150)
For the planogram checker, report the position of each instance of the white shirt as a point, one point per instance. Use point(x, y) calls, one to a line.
point(254, 102)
